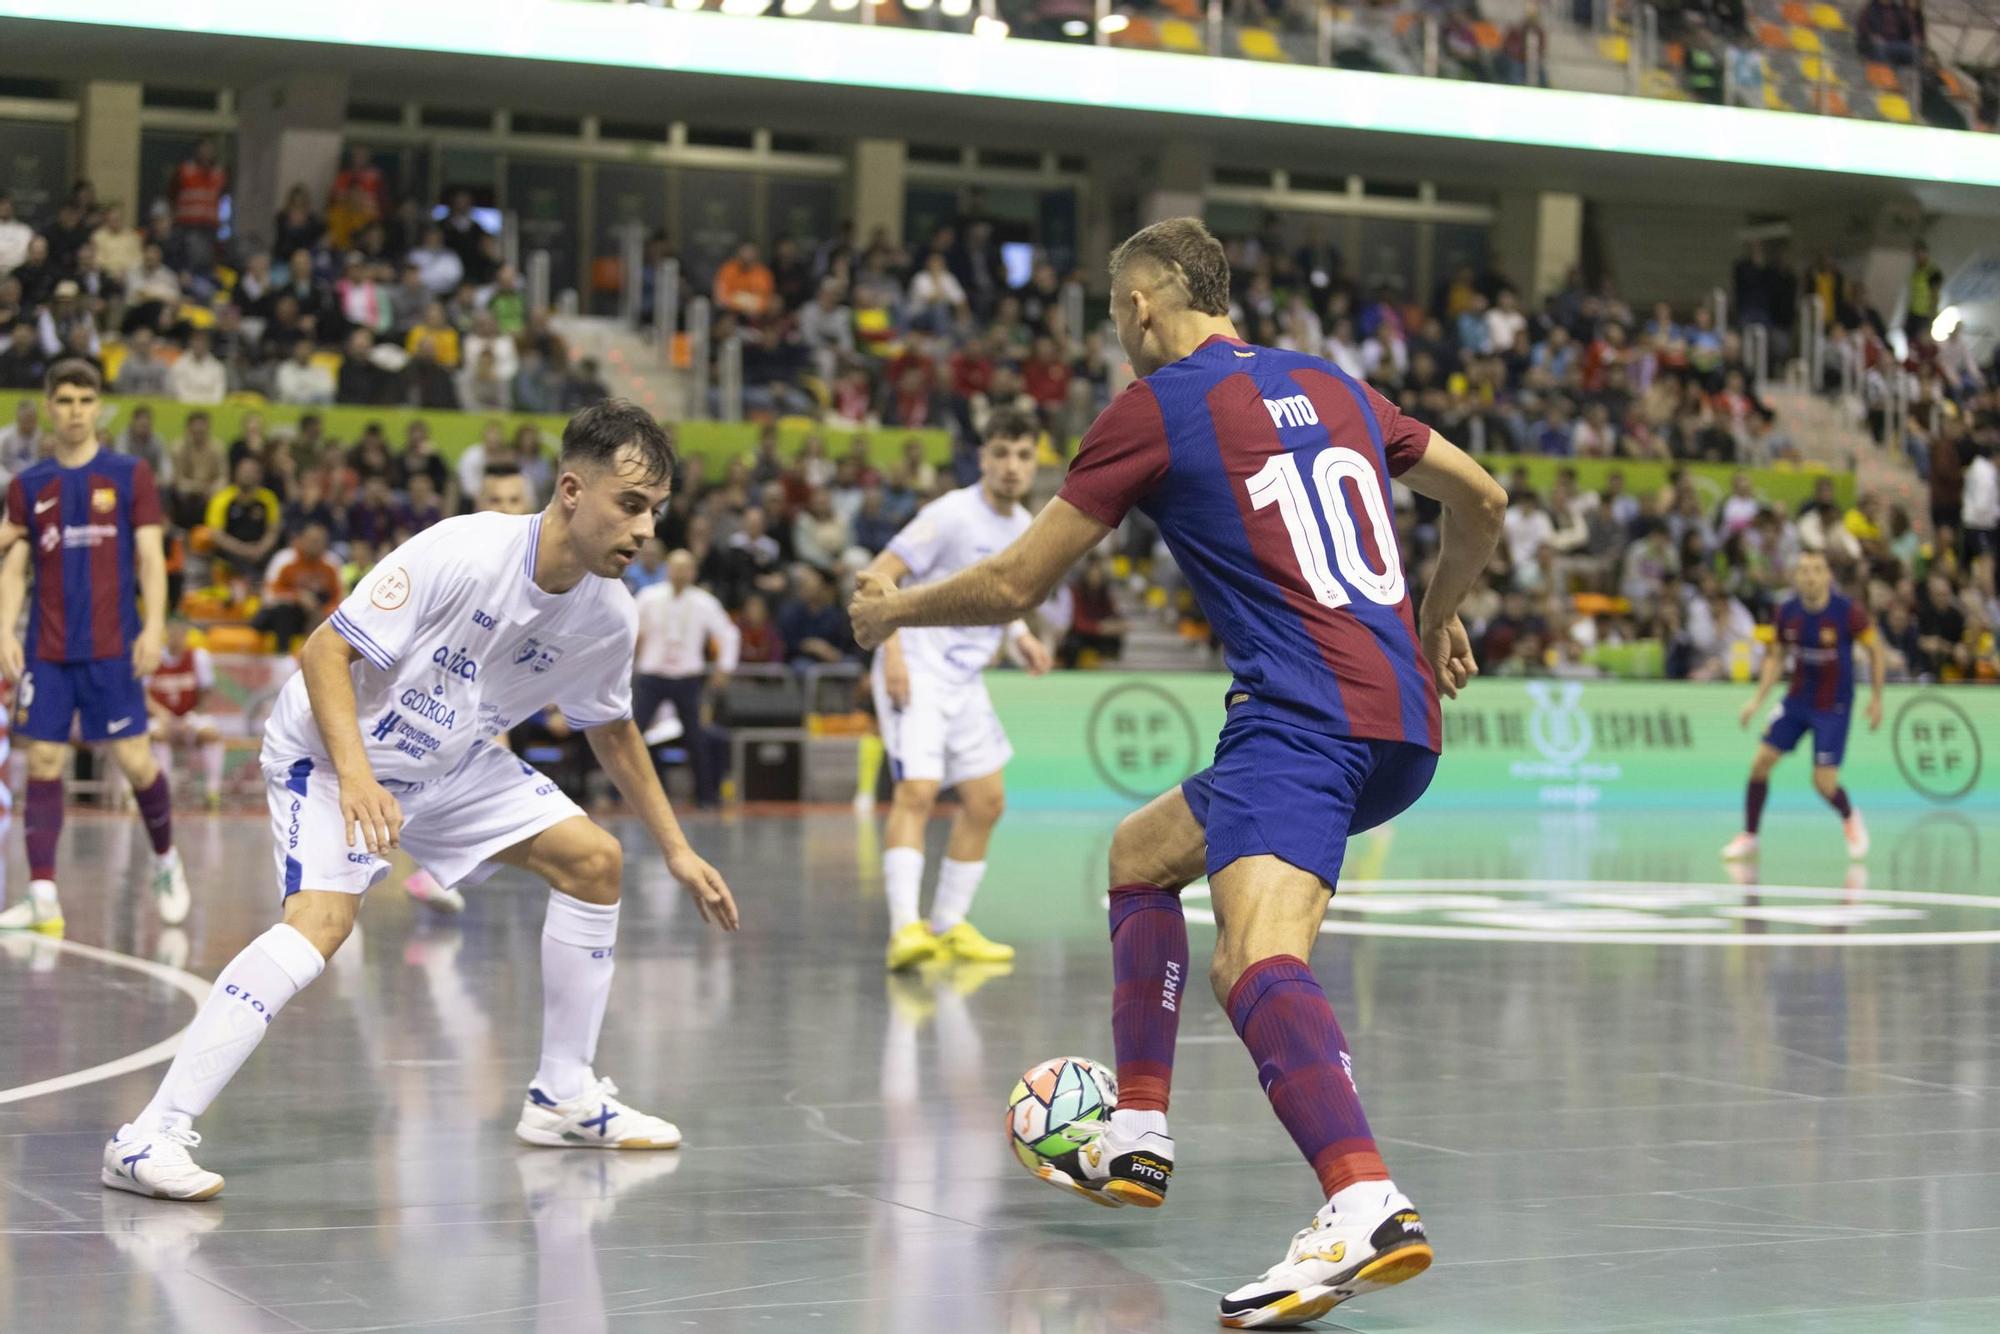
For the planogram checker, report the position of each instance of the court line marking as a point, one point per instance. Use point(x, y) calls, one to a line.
point(1334, 926)
point(194, 988)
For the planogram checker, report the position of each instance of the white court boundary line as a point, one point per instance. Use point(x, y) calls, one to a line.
point(1334, 926)
point(195, 988)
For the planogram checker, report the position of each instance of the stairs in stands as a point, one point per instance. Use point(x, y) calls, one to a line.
point(633, 365)
point(1828, 434)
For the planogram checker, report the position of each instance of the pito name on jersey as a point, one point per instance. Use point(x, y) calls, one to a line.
point(457, 663)
point(1297, 410)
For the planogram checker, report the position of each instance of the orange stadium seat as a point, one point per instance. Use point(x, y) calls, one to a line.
point(1772, 36)
point(1881, 76)
point(1795, 12)
point(1191, 10)
point(1486, 36)
point(1139, 34)
point(1836, 103)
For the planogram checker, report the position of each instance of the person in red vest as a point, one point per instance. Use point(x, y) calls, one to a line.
point(197, 188)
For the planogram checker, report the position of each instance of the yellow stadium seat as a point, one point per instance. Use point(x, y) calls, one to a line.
point(1806, 40)
point(1258, 44)
point(1614, 48)
point(1827, 17)
point(1893, 106)
point(1813, 70)
point(1775, 100)
point(1176, 35)
point(327, 361)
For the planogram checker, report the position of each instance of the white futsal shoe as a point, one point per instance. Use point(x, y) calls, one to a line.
point(1114, 1168)
point(1333, 1258)
point(170, 888)
point(1740, 849)
point(594, 1119)
point(1857, 836)
point(155, 1163)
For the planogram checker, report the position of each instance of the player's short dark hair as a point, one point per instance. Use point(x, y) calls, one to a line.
point(75, 371)
point(1011, 424)
point(595, 436)
point(1183, 249)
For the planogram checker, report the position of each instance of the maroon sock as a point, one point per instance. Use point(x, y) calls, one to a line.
point(156, 808)
point(43, 826)
point(1149, 961)
point(1840, 803)
point(1283, 1018)
point(1753, 805)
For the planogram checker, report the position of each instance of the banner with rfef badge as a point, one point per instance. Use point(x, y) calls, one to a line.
point(1115, 739)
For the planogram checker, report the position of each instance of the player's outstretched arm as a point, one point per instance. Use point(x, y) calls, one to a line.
point(1475, 507)
point(13, 592)
point(622, 751)
point(1774, 666)
point(1000, 588)
point(326, 662)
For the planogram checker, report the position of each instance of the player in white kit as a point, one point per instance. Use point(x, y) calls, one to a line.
point(938, 724)
point(455, 635)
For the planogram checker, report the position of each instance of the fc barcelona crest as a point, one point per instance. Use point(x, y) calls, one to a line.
point(103, 499)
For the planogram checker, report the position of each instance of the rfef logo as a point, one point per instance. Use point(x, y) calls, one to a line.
point(1141, 740)
point(1937, 748)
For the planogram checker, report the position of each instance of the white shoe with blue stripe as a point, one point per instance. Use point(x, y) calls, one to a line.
point(594, 1119)
point(155, 1163)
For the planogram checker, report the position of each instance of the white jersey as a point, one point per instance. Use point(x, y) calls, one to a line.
point(957, 529)
point(458, 644)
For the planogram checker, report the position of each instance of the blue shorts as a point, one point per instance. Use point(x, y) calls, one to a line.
point(1296, 795)
point(1828, 728)
point(111, 701)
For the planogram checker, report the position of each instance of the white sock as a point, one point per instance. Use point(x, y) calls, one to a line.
point(957, 883)
point(1132, 1124)
point(577, 941)
point(902, 883)
point(1362, 1198)
point(272, 969)
point(43, 893)
point(211, 765)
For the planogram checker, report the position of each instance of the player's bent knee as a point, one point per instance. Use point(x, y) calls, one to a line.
point(916, 795)
point(47, 760)
point(985, 808)
point(593, 873)
point(323, 917)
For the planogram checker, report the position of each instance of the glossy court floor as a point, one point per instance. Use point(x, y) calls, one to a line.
point(1629, 1091)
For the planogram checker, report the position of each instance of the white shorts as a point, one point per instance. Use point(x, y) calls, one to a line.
point(947, 734)
point(451, 826)
point(183, 727)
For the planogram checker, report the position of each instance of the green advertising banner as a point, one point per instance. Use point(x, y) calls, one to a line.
point(1111, 740)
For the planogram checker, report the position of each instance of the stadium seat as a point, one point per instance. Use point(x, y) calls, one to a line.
point(1178, 36)
point(1827, 18)
point(1614, 48)
point(1772, 36)
point(1806, 40)
point(1194, 11)
point(1796, 13)
point(1814, 70)
point(1260, 44)
point(113, 355)
point(1894, 106)
point(1881, 76)
point(1139, 34)
point(1775, 100)
point(1836, 103)
point(1486, 36)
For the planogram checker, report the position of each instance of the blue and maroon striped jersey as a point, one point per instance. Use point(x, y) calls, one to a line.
point(1268, 475)
point(1822, 647)
point(79, 524)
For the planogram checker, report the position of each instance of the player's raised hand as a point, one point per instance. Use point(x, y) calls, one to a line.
point(366, 804)
point(868, 611)
point(146, 651)
point(705, 886)
point(1449, 650)
point(1035, 656)
point(11, 660)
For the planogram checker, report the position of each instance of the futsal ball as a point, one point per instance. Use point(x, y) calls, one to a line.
point(1058, 1107)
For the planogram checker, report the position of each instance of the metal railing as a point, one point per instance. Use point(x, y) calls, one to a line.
point(698, 312)
point(729, 378)
point(666, 301)
point(539, 268)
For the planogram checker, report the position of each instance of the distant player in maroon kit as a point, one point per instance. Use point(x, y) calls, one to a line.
point(1817, 630)
point(90, 523)
point(1267, 473)
point(175, 694)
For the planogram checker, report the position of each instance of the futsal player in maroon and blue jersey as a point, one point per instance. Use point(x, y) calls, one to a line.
point(88, 521)
point(1267, 473)
point(1816, 630)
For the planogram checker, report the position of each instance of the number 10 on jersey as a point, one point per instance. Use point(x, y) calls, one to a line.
point(1280, 482)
